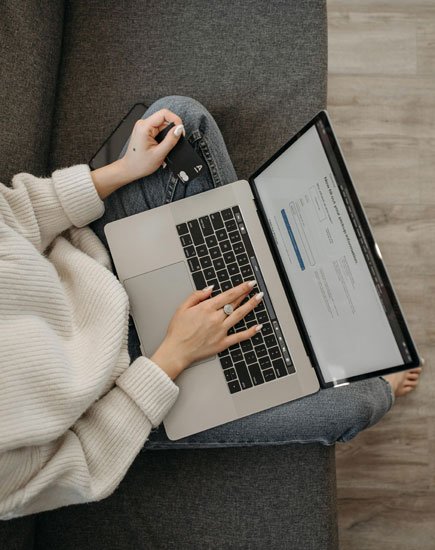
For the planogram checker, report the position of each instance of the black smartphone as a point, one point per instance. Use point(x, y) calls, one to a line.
point(114, 144)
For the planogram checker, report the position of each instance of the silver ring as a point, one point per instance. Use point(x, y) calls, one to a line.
point(228, 309)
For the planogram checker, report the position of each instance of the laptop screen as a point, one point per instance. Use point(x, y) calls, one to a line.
point(348, 316)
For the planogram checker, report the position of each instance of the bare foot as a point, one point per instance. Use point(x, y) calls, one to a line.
point(404, 382)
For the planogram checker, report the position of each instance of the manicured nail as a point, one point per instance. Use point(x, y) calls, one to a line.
point(179, 129)
point(208, 288)
point(259, 296)
point(258, 328)
point(252, 283)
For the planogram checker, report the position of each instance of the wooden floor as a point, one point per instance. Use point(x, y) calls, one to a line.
point(382, 101)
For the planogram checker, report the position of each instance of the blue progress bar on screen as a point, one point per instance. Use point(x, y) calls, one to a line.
point(293, 240)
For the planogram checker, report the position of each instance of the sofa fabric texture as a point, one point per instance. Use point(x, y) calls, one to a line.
point(69, 72)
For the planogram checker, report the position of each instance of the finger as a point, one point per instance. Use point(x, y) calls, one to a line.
point(171, 139)
point(241, 311)
point(232, 339)
point(160, 117)
point(229, 296)
point(197, 297)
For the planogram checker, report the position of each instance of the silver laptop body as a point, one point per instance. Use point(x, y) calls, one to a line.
point(152, 265)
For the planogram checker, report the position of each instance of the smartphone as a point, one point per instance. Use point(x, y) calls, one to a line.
point(114, 144)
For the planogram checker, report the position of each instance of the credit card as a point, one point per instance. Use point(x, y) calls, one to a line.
point(183, 161)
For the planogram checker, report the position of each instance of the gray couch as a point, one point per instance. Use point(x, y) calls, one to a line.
point(68, 73)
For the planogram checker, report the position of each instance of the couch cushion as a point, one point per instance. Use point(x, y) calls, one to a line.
point(256, 497)
point(258, 67)
point(30, 46)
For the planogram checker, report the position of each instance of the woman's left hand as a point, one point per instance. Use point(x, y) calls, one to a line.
point(143, 156)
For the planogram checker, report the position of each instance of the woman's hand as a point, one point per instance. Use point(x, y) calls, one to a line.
point(143, 156)
point(199, 327)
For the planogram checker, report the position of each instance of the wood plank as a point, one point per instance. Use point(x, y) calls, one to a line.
point(384, 170)
point(374, 106)
point(377, 519)
point(357, 38)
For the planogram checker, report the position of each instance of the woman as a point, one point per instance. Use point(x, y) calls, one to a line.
point(77, 400)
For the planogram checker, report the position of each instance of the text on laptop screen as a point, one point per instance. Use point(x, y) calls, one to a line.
point(351, 329)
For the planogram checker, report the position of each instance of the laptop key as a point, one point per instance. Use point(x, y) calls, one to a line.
point(194, 264)
point(237, 355)
point(251, 357)
point(201, 250)
point(238, 248)
point(242, 259)
point(230, 374)
point(234, 236)
point(210, 274)
point(189, 251)
point(279, 367)
point(224, 352)
point(222, 275)
point(182, 229)
point(246, 345)
point(227, 214)
point(186, 239)
point(234, 386)
point(216, 220)
point(211, 241)
point(229, 257)
point(243, 374)
point(195, 231)
point(206, 226)
point(221, 235)
point(233, 269)
point(269, 374)
point(231, 225)
point(264, 362)
point(257, 338)
point(255, 372)
point(274, 353)
point(260, 350)
point(205, 262)
point(270, 340)
point(237, 279)
point(199, 280)
point(215, 252)
point(246, 271)
point(262, 316)
point(226, 362)
point(225, 246)
point(267, 329)
point(219, 264)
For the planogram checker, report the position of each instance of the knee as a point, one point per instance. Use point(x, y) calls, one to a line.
point(367, 402)
point(192, 112)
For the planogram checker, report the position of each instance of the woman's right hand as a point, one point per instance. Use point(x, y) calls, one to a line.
point(199, 327)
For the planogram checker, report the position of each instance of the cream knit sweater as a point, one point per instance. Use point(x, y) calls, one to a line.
point(73, 413)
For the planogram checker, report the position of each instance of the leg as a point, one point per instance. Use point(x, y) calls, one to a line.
point(328, 416)
point(162, 187)
point(335, 414)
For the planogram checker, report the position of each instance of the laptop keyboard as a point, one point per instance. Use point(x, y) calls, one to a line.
point(219, 252)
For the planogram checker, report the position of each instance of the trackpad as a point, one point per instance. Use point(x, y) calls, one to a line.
point(154, 297)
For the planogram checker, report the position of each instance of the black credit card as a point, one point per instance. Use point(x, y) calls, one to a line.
point(183, 161)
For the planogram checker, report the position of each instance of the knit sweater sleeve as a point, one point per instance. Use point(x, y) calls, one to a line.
point(42, 208)
point(89, 460)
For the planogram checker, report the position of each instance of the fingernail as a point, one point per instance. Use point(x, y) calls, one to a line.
point(164, 164)
point(259, 296)
point(179, 129)
point(252, 283)
point(258, 328)
point(208, 288)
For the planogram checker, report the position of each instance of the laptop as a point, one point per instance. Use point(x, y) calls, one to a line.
point(329, 313)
